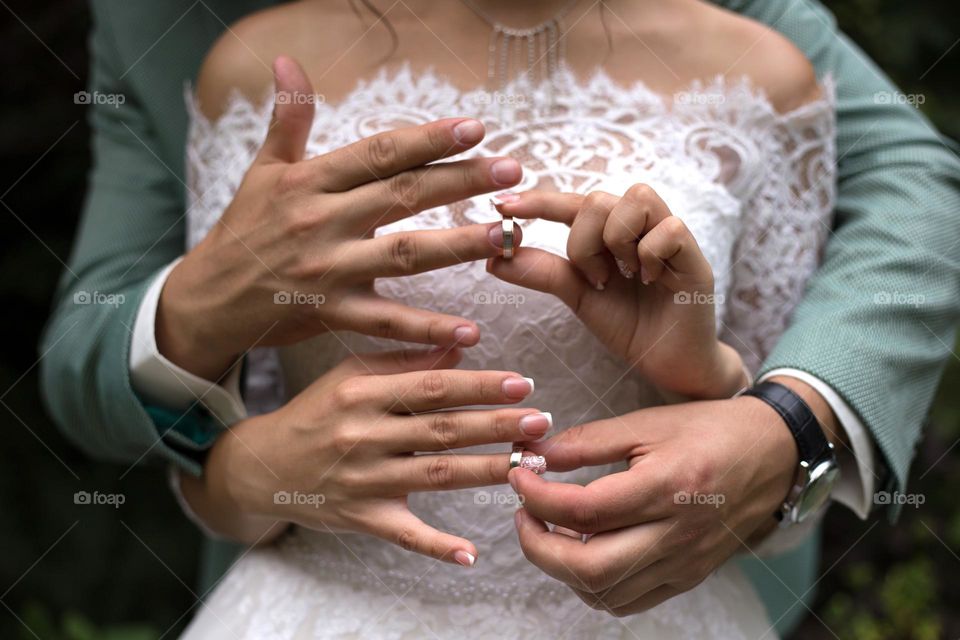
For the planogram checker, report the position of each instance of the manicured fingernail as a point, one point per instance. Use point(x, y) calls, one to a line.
point(506, 171)
point(504, 198)
point(536, 424)
point(468, 132)
point(463, 335)
point(464, 558)
point(518, 387)
point(644, 276)
point(517, 518)
point(496, 235)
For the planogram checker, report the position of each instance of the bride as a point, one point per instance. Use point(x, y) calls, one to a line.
point(679, 156)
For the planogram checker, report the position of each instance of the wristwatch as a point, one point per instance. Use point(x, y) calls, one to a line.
point(818, 471)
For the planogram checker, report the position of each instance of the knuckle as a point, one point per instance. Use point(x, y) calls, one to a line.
point(294, 178)
point(674, 226)
point(406, 189)
point(503, 427)
point(441, 472)
point(437, 139)
point(344, 440)
point(349, 393)
point(403, 252)
point(593, 201)
point(595, 578)
point(640, 193)
point(406, 539)
point(387, 327)
point(584, 516)
point(434, 386)
point(382, 153)
point(445, 428)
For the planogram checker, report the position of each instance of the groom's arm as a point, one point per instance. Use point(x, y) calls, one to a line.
point(132, 226)
point(879, 316)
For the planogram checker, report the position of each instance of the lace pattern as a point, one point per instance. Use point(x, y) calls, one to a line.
point(754, 186)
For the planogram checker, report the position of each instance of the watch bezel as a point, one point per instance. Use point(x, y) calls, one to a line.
point(820, 476)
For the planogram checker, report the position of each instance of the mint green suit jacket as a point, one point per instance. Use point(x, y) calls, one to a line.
point(896, 232)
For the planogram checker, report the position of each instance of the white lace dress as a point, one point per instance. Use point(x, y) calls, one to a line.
point(754, 186)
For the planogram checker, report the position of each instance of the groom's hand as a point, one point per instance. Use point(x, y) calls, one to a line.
point(704, 479)
point(294, 255)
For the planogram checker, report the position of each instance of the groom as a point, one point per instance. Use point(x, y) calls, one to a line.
point(867, 371)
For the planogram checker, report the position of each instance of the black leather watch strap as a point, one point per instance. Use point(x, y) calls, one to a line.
point(811, 442)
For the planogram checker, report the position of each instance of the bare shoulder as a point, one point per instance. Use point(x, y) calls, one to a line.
point(768, 58)
point(241, 59)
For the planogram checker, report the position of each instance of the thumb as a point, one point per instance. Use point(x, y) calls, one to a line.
point(542, 271)
point(293, 113)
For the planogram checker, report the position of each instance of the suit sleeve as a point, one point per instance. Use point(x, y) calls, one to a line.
point(131, 227)
point(878, 318)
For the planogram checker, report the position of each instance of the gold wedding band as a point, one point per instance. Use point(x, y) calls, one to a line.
point(507, 226)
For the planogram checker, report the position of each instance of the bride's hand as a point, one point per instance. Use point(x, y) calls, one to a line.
point(294, 255)
point(662, 321)
point(340, 455)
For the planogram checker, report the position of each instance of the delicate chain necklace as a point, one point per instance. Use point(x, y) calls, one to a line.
point(544, 45)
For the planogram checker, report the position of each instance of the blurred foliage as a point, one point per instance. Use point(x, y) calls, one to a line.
point(72, 572)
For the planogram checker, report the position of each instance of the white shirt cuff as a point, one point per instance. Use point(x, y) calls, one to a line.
point(159, 381)
point(858, 469)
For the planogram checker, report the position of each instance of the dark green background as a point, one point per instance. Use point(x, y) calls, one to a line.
point(129, 572)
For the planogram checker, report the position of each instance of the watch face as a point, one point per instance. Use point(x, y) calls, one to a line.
point(817, 492)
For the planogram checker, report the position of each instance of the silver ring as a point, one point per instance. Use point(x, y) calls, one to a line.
point(507, 226)
point(516, 457)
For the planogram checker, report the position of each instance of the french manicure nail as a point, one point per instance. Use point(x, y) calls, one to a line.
point(536, 424)
point(518, 387)
point(464, 558)
point(463, 335)
point(506, 171)
point(468, 132)
point(506, 197)
point(644, 276)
